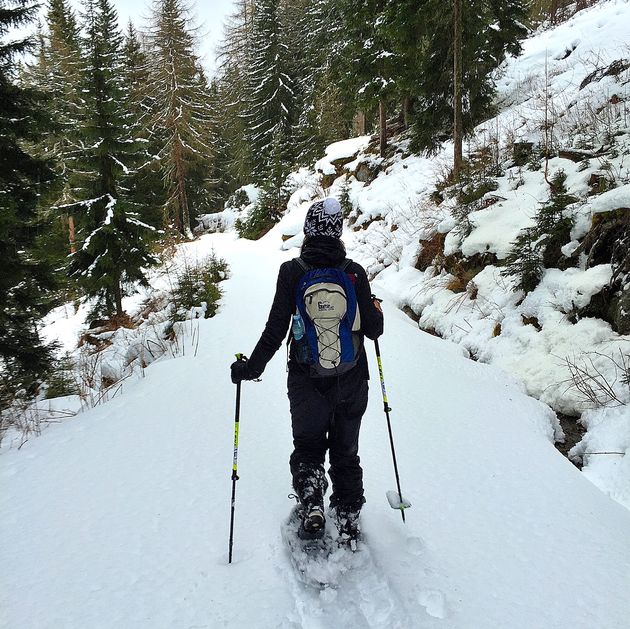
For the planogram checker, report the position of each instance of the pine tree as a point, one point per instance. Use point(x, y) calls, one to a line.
point(525, 260)
point(56, 71)
point(145, 183)
point(180, 120)
point(270, 110)
point(552, 226)
point(422, 34)
point(25, 281)
point(367, 64)
point(114, 249)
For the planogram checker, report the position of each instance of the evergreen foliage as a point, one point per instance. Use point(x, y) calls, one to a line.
point(345, 201)
point(25, 281)
point(270, 107)
point(525, 263)
point(539, 247)
point(197, 285)
point(422, 35)
point(552, 225)
point(144, 184)
point(368, 65)
point(114, 250)
point(180, 119)
point(266, 212)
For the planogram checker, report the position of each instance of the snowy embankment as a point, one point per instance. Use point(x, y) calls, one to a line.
point(577, 75)
point(119, 517)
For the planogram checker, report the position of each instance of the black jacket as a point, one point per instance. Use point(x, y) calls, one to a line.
point(318, 251)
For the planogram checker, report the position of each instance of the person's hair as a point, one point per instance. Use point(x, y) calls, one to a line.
point(308, 239)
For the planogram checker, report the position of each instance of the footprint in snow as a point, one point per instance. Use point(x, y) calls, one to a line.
point(433, 603)
point(415, 545)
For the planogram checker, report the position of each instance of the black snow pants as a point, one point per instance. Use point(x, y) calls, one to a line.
point(326, 415)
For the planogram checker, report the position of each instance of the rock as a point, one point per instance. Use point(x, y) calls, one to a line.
point(328, 180)
point(614, 69)
point(578, 155)
point(620, 311)
point(598, 182)
point(366, 172)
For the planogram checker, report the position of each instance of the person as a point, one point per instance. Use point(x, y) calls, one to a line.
point(326, 411)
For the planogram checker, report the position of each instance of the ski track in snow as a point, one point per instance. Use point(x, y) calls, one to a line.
point(119, 517)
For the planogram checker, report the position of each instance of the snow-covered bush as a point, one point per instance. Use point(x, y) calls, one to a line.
point(197, 286)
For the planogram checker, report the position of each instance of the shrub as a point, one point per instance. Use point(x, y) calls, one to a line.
point(264, 215)
point(525, 260)
point(197, 284)
point(62, 379)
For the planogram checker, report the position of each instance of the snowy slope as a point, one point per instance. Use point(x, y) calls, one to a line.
point(119, 517)
point(578, 73)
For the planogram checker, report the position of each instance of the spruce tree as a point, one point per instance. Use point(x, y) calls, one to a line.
point(25, 281)
point(524, 262)
point(367, 63)
point(421, 32)
point(552, 226)
point(180, 120)
point(309, 31)
point(231, 87)
point(56, 71)
point(114, 247)
point(270, 107)
point(145, 183)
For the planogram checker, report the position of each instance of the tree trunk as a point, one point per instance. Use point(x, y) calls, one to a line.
point(182, 219)
point(406, 111)
point(71, 234)
point(382, 127)
point(458, 133)
point(118, 297)
point(359, 121)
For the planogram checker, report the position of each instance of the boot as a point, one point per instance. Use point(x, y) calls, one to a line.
point(313, 523)
point(347, 521)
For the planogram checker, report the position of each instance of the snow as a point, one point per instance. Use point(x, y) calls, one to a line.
point(611, 200)
point(345, 149)
point(120, 516)
point(607, 458)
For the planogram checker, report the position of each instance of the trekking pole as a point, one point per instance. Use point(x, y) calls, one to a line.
point(396, 500)
point(239, 357)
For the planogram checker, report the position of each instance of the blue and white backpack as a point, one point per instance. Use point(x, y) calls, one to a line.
point(326, 301)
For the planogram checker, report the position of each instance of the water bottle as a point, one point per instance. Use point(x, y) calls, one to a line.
point(298, 327)
point(301, 344)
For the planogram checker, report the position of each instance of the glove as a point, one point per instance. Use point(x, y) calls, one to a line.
point(240, 371)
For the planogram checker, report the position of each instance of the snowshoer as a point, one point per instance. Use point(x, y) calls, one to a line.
point(327, 368)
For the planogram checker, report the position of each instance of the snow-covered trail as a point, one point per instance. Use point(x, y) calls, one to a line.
point(119, 517)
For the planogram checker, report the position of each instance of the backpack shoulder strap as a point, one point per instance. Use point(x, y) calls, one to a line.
point(345, 264)
point(303, 265)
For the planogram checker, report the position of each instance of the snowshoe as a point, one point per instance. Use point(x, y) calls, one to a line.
point(309, 556)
